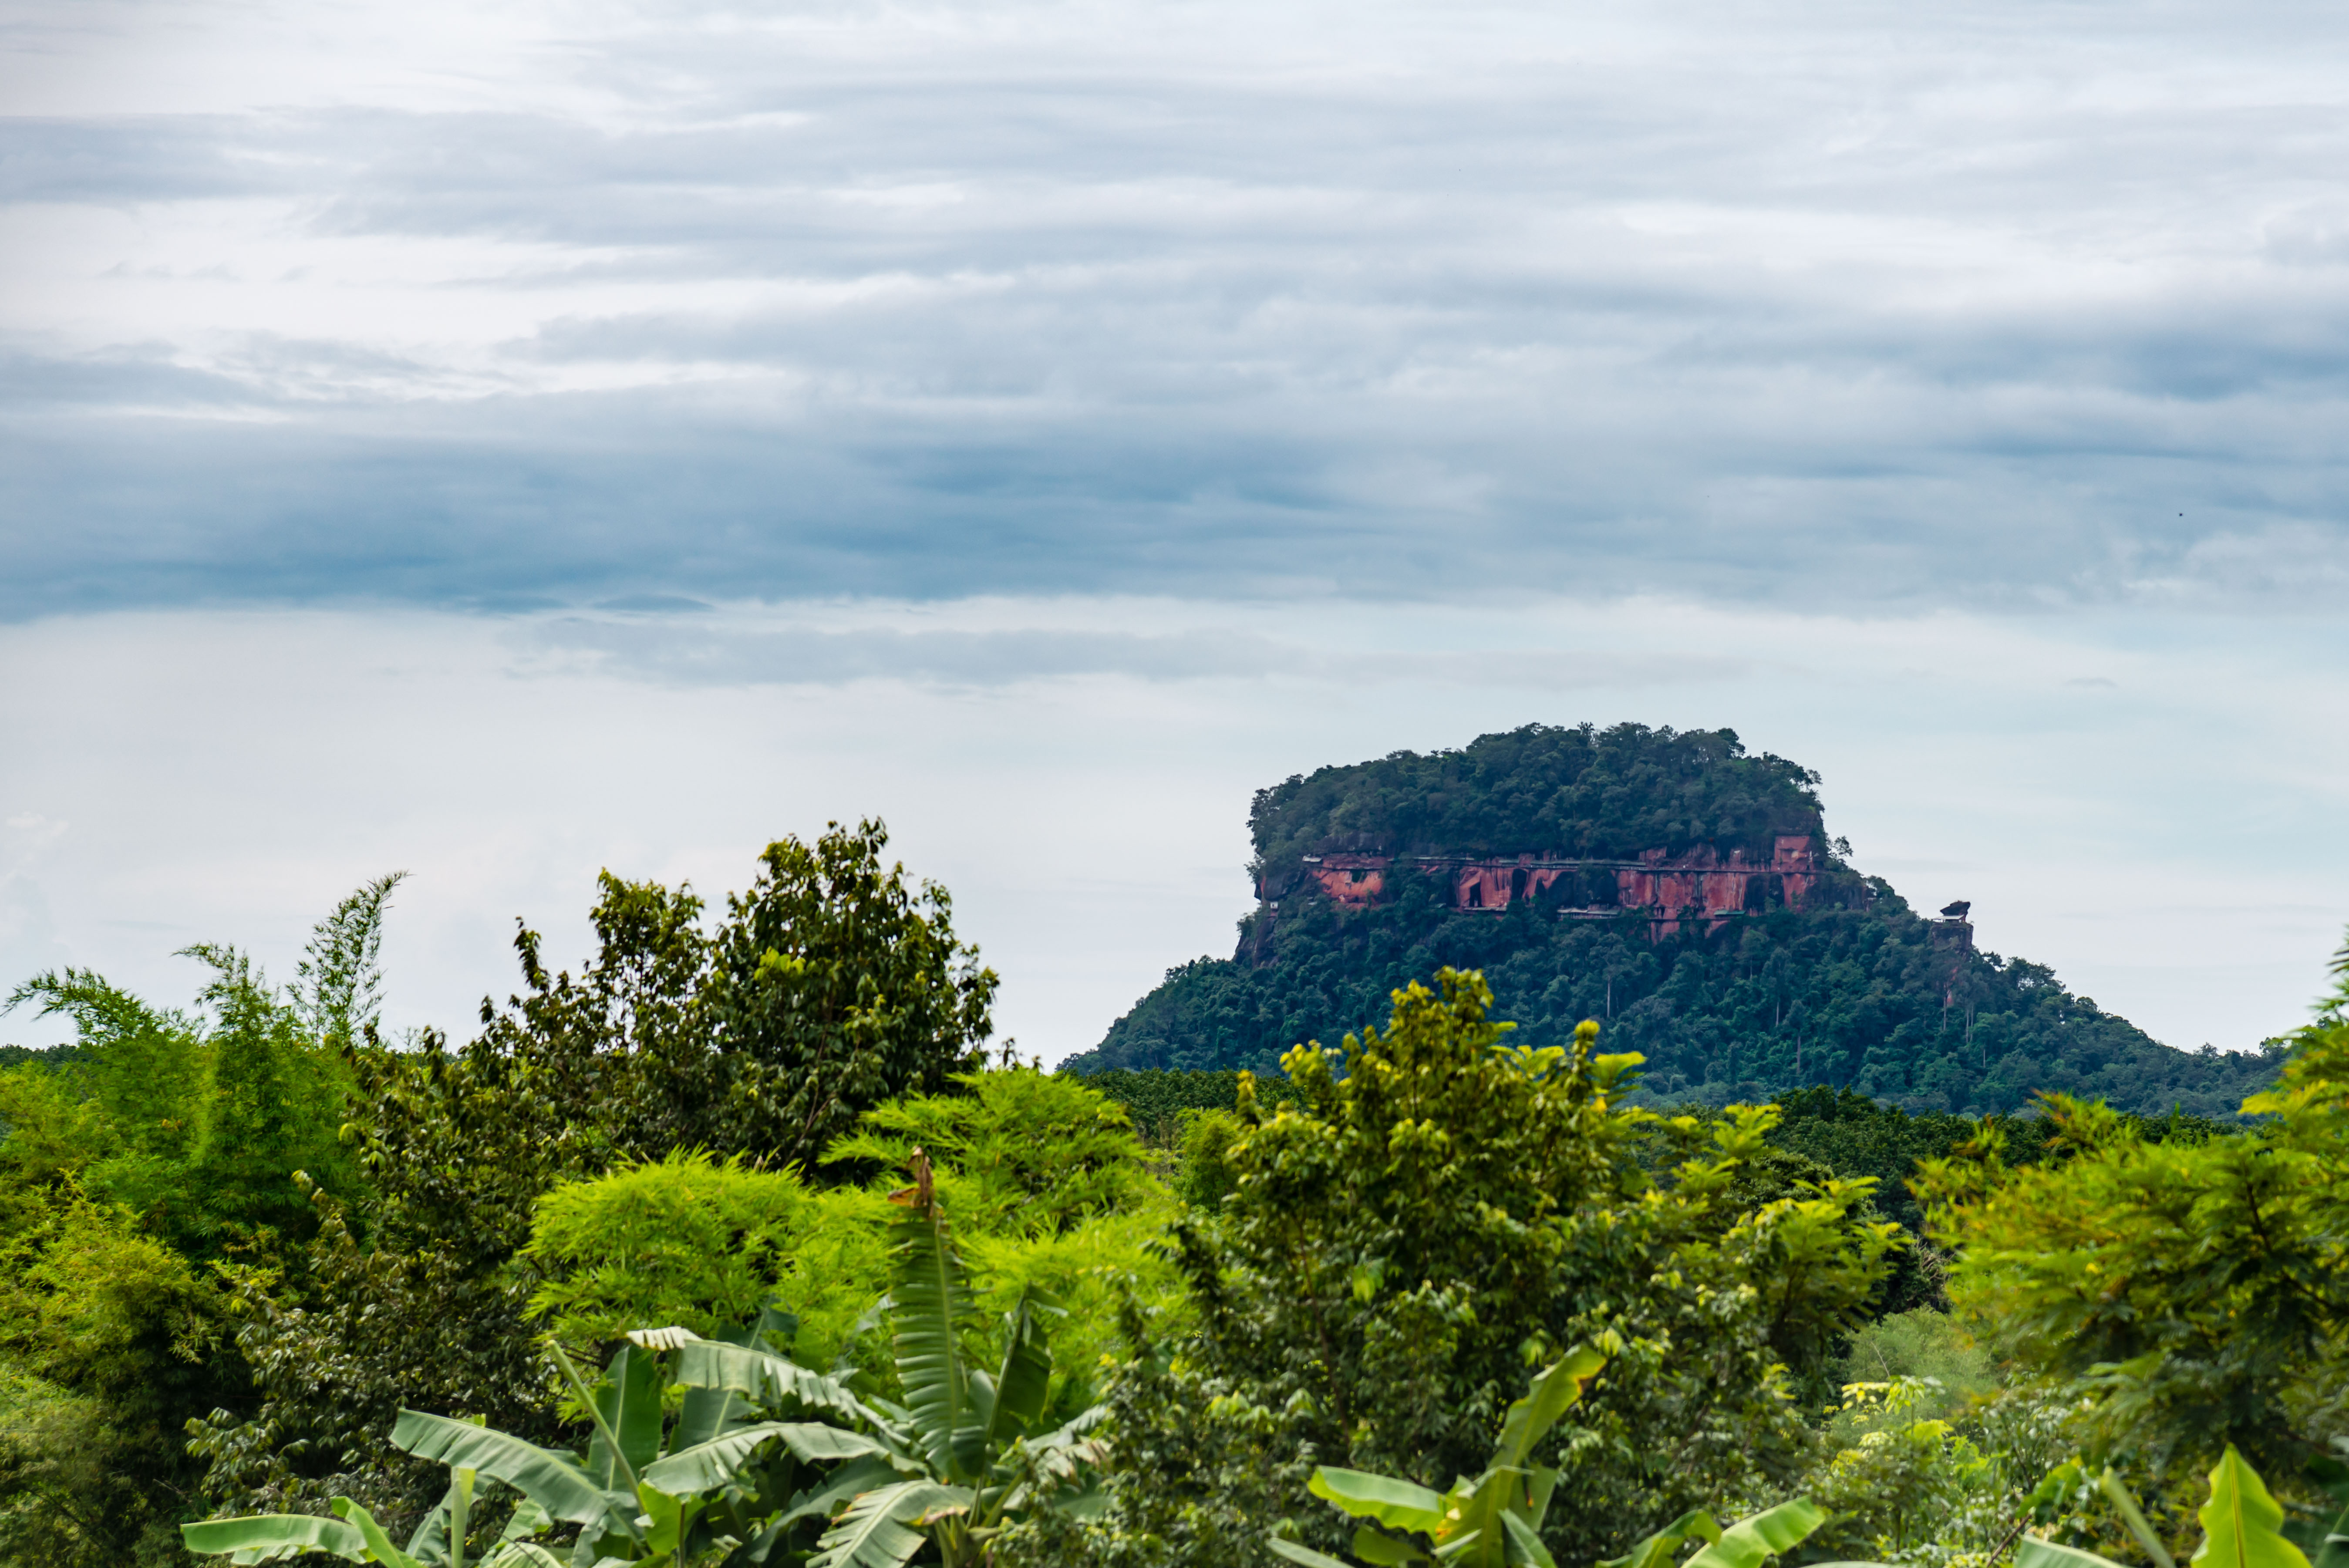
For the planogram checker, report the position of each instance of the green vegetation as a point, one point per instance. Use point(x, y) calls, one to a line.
point(1453, 1290)
point(1853, 991)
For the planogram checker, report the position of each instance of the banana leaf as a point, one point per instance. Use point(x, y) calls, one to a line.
point(1397, 1504)
point(1022, 1386)
point(930, 1313)
point(2031, 1552)
point(2241, 1524)
point(548, 1476)
point(1553, 1392)
point(629, 1401)
point(774, 1381)
point(266, 1537)
point(1758, 1537)
point(879, 1530)
point(708, 1466)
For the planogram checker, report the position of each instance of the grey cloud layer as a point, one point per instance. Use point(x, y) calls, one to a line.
point(2011, 305)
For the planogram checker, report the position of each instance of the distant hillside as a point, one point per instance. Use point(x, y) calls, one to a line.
point(1680, 892)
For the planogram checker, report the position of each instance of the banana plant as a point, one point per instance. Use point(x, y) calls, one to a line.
point(1491, 1521)
point(715, 1486)
point(871, 1481)
point(2241, 1527)
point(1748, 1543)
point(966, 1445)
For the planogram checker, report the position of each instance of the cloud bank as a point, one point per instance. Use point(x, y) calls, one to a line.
point(2000, 306)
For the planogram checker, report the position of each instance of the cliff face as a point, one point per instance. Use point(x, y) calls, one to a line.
point(1688, 898)
point(1697, 884)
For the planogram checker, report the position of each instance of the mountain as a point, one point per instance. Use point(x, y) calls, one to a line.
point(1684, 893)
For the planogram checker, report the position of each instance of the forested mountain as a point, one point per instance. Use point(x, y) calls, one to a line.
point(1684, 894)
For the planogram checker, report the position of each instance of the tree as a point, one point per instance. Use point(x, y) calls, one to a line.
point(831, 985)
point(1436, 1212)
point(2198, 1287)
point(170, 1145)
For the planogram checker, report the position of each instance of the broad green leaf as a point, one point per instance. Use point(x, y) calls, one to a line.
point(1305, 1554)
point(2110, 1483)
point(849, 1482)
point(1025, 1381)
point(268, 1536)
point(1525, 1546)
point(1758, 1537)
point(708, 1466)
point(378, 1544)
point(1375, 1546)
point(774, 1380)
point(522, 1554)
point(2030, 1552)
point(1553, 1393)
point(1474, 1518)
point(629, 1401)
point(1397, 1504)
point(1539, 1488)
point(548, 1476)
point(1656, 1551)
point(664, 1522)
point(528, 1518)
point(871, 1533)
point(929, 1310)
point(2241, 1523)
point(450, 1519)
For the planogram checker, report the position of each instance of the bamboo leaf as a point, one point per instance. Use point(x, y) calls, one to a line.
point(1397, 1504)
point(548, 1476)
point(2241, 1523)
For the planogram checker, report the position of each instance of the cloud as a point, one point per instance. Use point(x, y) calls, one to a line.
point(1979, 307)
point(768, 648)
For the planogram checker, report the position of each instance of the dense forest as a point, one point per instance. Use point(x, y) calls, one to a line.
point(1853, 989)
point(737, 1246)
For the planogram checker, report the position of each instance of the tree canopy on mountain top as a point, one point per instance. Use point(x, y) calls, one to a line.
point(1577, 791)
point(1855, 991)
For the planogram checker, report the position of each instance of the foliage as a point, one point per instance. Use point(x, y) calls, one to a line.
point(2197, 1287)
point(1493, 1520)
point(161, 1145)
point(1156, 1098)
point(828, 986)
point(1854, 992)
point(1053, 1186)
point(1434, 1212)
point(2242, 1528)
point(1575, 792)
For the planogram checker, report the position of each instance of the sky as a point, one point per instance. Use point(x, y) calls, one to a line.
point(504, 442)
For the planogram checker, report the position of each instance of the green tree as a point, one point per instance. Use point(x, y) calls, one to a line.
point(831, 985)
point(2197, 1287)
point(168, 1145)
point(1436, 1213)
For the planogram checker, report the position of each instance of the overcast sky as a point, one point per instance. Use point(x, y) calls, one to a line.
point(507, 441)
